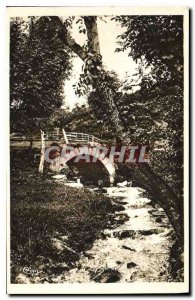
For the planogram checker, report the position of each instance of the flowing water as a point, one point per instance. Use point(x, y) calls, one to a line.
point(138, 249)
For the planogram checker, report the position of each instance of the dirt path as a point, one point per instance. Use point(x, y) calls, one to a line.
point(136, 250)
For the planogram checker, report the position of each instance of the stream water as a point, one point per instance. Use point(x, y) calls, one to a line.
point(138, 248)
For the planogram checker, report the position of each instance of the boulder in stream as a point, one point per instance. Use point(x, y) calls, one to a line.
point(116, 206)
point(22, 279)
point(158, 220)
point(124, 234)
point(131, 265)
point(59, 268)
point(128, 248)
point(150, 231)
point(107, 276)
point(121, 218)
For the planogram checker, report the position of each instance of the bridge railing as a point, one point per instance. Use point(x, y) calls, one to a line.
point(53, 136)
point(74, 137)
point(81, 137)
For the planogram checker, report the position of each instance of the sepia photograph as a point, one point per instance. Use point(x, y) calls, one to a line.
point(98, 180)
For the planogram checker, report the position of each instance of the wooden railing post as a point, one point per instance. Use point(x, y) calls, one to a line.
point(65, 136)
point(41, 165)
point(57, 132)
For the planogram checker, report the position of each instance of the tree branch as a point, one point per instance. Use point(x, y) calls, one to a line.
point(66, 38)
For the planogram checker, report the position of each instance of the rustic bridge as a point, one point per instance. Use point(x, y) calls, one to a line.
point(91, 170)
point(77, 140)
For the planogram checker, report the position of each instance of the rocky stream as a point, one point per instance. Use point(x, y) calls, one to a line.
point(135, 248)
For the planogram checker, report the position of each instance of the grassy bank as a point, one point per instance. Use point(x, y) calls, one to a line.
point(50, 224)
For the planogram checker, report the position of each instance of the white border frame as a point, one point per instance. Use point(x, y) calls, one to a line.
point(115, 288)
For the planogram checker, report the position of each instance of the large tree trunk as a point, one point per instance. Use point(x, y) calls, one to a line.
point(94, 55)
point(163, 195)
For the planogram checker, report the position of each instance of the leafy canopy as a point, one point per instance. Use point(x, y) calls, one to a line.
point(39, 65)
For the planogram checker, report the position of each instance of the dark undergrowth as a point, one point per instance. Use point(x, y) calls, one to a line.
point(51, 224)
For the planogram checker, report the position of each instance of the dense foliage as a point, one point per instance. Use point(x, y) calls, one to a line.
point(158, 40)
point(155, 112)
point(39, 65)
point(81, 119)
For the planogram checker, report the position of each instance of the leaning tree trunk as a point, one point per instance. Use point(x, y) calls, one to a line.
point(162, 194)
point(93, 63)
point(106, 96)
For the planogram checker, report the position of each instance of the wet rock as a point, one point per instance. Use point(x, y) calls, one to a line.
point(153, 211)
point(74, 184)
point(100, 190)
point(124, 234)
point(122, 218)
point(57, 245)
point(147, 205)
point(46, 279)
point(131, 265)
point(158, 220)
point(158, 213)
point(78, 265)
point(122, 184)
point(112, 224)
point(168, 233)
point(64, 237)
point(104, 190)
point(128, 248)
point(132, 233)
point(22, 279)
point(107, 276)
point(161, 273)
point(156, 206)
point(59, 268)
point(122, 202)
point(59, 177)
point(88, 255)
point(149, 231)
point(60, 246)
point(162, 216)
point(43, 260)
point(117, 207)
point(56, 279)
point(104, 235)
